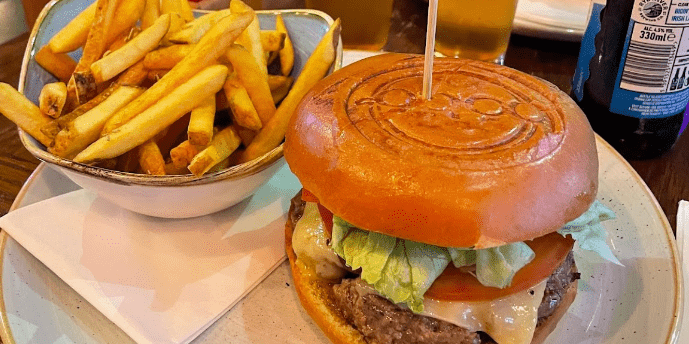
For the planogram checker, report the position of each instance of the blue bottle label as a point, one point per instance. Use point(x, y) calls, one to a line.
point(653, 75)
point(587, 50)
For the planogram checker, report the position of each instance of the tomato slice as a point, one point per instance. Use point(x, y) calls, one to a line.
point(456, 285)
point(326, 215)
point(307, 196)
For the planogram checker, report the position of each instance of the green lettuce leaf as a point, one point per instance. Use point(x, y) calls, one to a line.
point(496, 266)
point(588, 232)
point(403, 270)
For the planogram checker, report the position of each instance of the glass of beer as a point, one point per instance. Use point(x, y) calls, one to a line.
point(474, 29)
point(365, 23)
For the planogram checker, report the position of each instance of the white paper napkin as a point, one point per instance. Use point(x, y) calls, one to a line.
point(161, 281)
point(683, 245)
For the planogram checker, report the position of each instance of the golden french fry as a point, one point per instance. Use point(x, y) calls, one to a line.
point(223, 164)
point(134, 75)
point(82, 85)
point(251, 77)
point(316, 68)
point(279, 86)
point(133, 51)
point(272, 40)
point(251, 37)
point(52, 128)
point(180, 7)
point(122, 39)
point(247, 135)
point(58, 64)
point(205, 53)
point(23, 113)
point(156, 74)
point(286, 54)
point(150, 159)
point(151, 13)
point(223, 144)
point(73, 35)
point(171, 170)
point(200, 130)
point(52, 99)
point(167, 57)
point(193, 31)
point(243, 111)
point(86, 128)
point(182, 155)
point(157, 117)
point(176, 24)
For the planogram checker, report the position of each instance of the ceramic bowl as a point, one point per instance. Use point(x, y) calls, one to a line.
point(180, 196)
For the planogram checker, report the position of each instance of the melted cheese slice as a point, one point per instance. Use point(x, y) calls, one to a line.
point(509, 320)
point(311, 245)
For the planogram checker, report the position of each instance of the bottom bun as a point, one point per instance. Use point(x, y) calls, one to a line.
point(317, 298)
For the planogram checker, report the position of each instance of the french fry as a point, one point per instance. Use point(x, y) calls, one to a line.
point(247, 135)
point(221, 102)
point(193, 31)
point(150, 13)
point(156, 74)
point(243, 111)
point(316, 68)
point(52, 99)
point(223, 144)
point(128, 162)
point(256, 84)
point(74, 34)
point(251, 37)
point(23, 113)
point(51, 129)
point(286, 54)
point(150, 159)
point(133, 51)
point(176, 24)
point(182, 155)
point(171, 170)
point(205, 53)
point(177, 6)
point(272, 40)
point(82, 85)
point(223, 164)
point(122, 39)
point(86, 128)
point(279, 86)
point(157, 117)
point(167, 57)
point(60, 65)
point(134, 75)
point(200, 130)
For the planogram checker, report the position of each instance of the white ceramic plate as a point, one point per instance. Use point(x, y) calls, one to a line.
point(638, 303)
point(553, 19)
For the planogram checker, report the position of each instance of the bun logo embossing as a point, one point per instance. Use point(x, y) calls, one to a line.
point(477, 114)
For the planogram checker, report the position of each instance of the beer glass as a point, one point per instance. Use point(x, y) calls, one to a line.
point(365, 23)
point(475, 29)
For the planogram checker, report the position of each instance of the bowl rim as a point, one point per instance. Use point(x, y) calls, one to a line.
point(127, 178)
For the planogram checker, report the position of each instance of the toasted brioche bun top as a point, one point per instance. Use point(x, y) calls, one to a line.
point(497, 156)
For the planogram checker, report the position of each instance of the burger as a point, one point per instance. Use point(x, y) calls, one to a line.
point(447, 220)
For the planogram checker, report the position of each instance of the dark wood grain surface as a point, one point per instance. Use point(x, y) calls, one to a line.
point(667, 176)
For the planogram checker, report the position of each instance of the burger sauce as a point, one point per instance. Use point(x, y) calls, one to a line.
point(632, 76)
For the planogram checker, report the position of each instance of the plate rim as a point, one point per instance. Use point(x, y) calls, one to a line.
point(675, 324)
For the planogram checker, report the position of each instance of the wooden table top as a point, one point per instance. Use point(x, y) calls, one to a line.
point(666, 176)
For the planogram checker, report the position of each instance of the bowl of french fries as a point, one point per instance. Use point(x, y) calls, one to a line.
point(163, 110)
